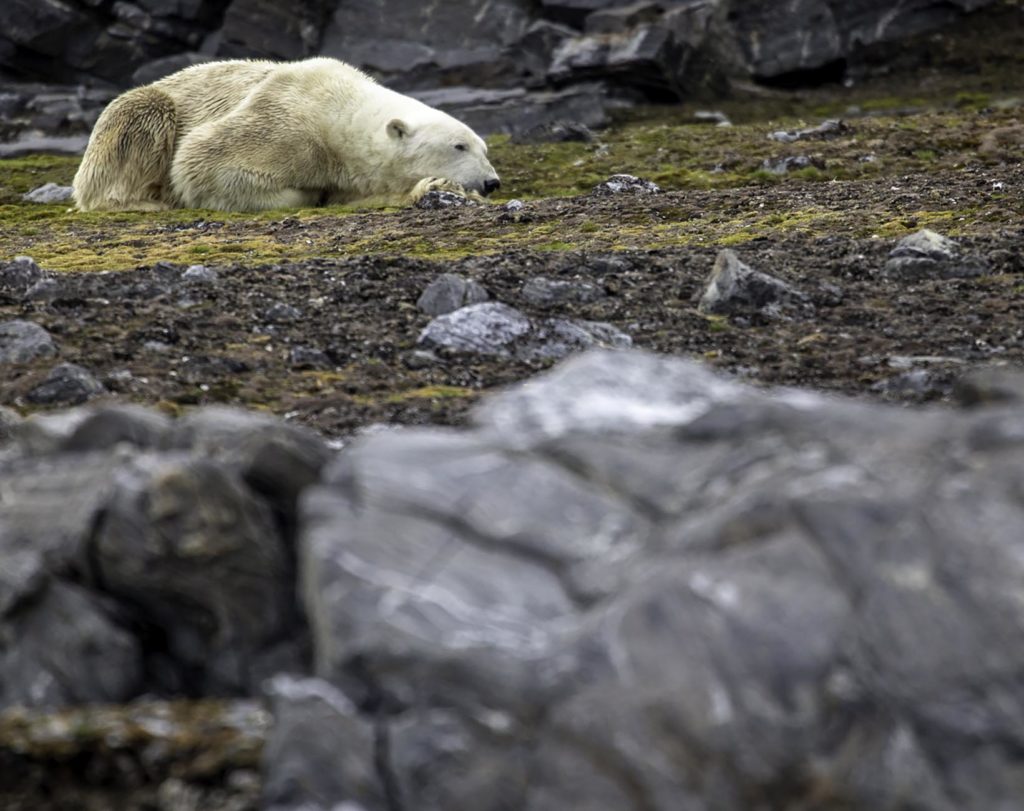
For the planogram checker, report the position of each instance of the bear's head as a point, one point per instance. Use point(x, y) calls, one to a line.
point(441, 146)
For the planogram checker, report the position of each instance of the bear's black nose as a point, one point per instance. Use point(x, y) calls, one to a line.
point(491, 185)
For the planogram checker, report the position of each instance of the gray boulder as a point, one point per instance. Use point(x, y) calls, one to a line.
point(635, 584)
point(64, 649)
point(492, 328)
point(544, 292)
point(23, 342)
point(179, 538)
point(449, 292)
point(49, 193)
point(735, 288)
point(66, 384)
point(198, 556)
point(928, 255)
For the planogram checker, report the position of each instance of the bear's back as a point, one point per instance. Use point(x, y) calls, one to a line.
point(209, 91)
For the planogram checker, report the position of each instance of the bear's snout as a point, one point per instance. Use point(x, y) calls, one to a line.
point(491, 185)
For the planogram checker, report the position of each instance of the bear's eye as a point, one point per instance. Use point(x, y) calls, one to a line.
point(461, 147)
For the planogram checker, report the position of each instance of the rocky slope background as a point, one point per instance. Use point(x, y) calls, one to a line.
point(501, 65)
point(687, 475)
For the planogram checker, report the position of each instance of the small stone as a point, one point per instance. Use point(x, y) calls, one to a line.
point(626, 184)
point(49, 193)
point(199, 274)
point(497, 329)
point(20, 274)
point(830, 128)
point(281, 313)
point(23, 342)
point(734, 287)
point(557, 338)
point(990, 386)
point(437, 199)
point(929, 255)
point(66, 384)
point(308, 357)
point(779, 166)
point(555, 132)
point(420, 359)
point(716, 117)
point(448, 292)
point(46, 289)
point(513, 206)
point(487, 329)
point(545, 292)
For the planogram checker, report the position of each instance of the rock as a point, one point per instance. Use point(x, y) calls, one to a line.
point(199, 558)
point(48, 193)
point(267, 30)
point(497, 329)
point(282, 313)
point(551, 61)
point(24, 342)
point(157, 69)
point(199, 274)
point(830, 128)
point(520, 111)
point(107, 427)
point(488, 328)
point(449, 292)
point(46, 289)
point(626, 184)
point(66, 384)
point(928, 255)
point(716, 117)
point(34, 144)
point(276, 460)
point(555, 132)
point(308, 357)
point(992, 385)
point(444, 45)
point(543, 292)
point(734, 288)
point(556, 338)
point(780, 166)
point(439, 199)
point(20, 275)
point(550, 610)
point(62, 648)
point(339, 759)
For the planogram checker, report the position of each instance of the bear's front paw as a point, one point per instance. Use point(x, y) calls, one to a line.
point(429, 184)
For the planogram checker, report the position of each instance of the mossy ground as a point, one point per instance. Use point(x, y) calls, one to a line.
point(933, 148)
point(702, 166)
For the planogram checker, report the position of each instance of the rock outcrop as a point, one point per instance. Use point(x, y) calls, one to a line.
point(505, 65)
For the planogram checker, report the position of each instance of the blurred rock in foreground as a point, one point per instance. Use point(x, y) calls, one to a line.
point(632, 583)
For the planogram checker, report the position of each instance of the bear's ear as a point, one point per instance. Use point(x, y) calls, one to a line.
point(397, 128)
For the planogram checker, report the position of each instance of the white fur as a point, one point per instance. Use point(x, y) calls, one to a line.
point(249, 135)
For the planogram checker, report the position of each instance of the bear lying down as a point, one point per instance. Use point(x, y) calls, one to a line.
point(250, 135)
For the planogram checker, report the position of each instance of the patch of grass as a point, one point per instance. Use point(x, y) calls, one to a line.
point(20, 175)
point(431, 393)
point(702, 163)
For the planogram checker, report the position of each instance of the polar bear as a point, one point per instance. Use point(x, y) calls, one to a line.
point(245, 135)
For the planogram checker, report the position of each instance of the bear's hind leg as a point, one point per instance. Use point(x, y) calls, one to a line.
point(230, 165)
point(127, 163)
